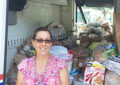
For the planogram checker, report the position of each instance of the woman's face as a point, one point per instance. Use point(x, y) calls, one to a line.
point(42, 42)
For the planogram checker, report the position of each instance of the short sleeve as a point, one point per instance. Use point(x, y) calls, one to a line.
point(22, 65)
point(61, 64)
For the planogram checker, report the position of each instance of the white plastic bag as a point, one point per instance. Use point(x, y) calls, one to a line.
point(111, 78)
point(112, 66)
point(61, 52)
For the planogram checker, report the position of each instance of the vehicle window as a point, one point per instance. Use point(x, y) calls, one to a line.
point(96, 14)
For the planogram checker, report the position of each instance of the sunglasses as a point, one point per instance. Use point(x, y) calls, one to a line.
point(41, 41)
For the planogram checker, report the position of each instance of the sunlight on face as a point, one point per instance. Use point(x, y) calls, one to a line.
point(42, 48)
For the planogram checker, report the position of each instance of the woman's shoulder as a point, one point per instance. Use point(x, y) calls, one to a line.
point(31, 59)
point(26, 61)
point(54, 58)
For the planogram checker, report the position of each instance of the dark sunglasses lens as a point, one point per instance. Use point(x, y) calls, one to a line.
point(47, 41)
point(41, 41)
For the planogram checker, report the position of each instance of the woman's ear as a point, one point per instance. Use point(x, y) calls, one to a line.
point(33, 43)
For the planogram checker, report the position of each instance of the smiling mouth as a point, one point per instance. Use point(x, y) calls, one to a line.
point(43, 48)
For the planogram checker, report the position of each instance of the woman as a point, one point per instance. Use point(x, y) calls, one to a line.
point(42, 69)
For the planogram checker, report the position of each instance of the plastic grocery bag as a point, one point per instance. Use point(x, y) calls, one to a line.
point(58, 32)
point(94, 73)
point(61, 52)
point(111, 78)
point(112, 66)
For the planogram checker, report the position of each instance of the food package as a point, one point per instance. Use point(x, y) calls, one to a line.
point(112, 52)
point(94, 73)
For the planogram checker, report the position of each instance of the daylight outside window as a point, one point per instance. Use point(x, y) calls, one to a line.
point(96, 15)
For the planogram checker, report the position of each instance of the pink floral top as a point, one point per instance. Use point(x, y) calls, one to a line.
point(50, 77)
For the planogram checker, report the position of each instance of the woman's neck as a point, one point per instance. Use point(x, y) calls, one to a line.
point(42, 58)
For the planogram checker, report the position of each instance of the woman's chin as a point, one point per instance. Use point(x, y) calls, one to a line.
point(44, 53)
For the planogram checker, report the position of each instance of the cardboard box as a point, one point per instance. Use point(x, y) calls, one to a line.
point(94, 73)
point(116, 30)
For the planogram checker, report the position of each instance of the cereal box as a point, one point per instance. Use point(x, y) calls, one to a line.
point(94, 73)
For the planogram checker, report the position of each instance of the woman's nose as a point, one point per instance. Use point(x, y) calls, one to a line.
point(43, 43)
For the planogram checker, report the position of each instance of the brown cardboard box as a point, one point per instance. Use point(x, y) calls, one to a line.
point(116, 30)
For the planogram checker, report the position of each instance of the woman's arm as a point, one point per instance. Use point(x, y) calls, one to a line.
point(19, 78)
point(64, 76)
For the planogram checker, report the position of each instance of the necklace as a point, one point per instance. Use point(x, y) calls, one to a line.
point(42, 74)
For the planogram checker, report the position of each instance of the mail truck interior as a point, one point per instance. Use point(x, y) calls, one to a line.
point(88, 29)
